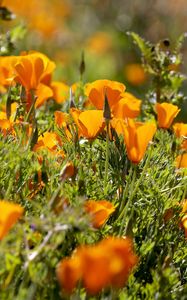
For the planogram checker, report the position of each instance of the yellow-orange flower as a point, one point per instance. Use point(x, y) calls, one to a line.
point(184, 217)
point(180, 129)
point(137, 137)
point(127, 107)
point(33, 68)
point(181, 161)
point(49, 141)
point(135, 74)
point(166, 112)
point(112, 258)
point(90, 123)
point(10, 213)
point(97, 90)
point(100, 211)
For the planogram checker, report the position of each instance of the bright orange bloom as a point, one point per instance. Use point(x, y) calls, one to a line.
point(135, 74)
point(181, 161)
point(50, 141)
point(137, 137)
point(10, 213)
point(112, 258)
point(127, 107)
point(118, 125)
point(61, 118)
point(100, 211)
point(166, 112)
point(32, 69)
point(90, 123)
point(96, 91)
point(6, 127)
point(180, 129)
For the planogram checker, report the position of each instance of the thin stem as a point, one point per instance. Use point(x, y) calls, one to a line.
point(133, 189)
point(107, 158)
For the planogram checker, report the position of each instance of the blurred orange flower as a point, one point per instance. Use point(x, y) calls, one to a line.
point(90, 122)
point(100, 42)
point(10, 213)
point(166, 112)
point(135, 74)
point(137, 136)
point(100, 211)
point(96, 91)
point(112, 258)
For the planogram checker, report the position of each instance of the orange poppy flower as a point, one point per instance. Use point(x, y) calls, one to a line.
point(112, 258)
point(127, 107)
point(7, 71)
point(10, 213)
point(32, 69)
point(137, 136)
point(49, 141)
point(96, 91)
point(61, 119)
point(43, 93)
point(90, 123)
point(119, 125)
point(180, 129)
point(181, 161)
point(6, 127)
point(166, 112)
point(100, 211)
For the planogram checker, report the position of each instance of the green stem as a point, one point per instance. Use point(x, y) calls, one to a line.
point(106, 159)
point(133, 189)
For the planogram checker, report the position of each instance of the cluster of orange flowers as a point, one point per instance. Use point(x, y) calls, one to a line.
point(34, 71)
point(103, 265)
point(107, 104)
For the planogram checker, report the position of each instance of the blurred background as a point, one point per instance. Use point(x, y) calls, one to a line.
point(62, 29)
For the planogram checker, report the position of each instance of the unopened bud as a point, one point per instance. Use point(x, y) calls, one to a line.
point(107, 112)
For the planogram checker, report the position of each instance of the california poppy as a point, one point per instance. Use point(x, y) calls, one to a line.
point(90, 123)
point(166, 112)
point(181, 161)
point(51, 142)
point(137, 137)
point(10, 213)
point(99, 210)
point(180, 129)
point(97, 90)
point(127, 107)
